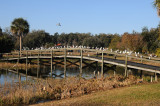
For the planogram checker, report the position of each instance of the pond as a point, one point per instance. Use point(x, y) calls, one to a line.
point(58, 72)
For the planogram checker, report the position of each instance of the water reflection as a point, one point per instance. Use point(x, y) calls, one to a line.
point(7, 76)
point(58, 72)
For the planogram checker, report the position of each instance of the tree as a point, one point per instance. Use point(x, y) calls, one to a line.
point(19, 27)
point(132, 42)
point(105, 39)
point(156, 3)
point(0, 31)
point(6, 43)
point(91, 42)
point(150, 37)
point(114, 42)
point(36, 39)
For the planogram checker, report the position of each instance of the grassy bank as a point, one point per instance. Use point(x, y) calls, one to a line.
point(7, 65)
point(135, 95)
point(57, 89)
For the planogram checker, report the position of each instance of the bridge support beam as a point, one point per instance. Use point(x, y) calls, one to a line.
point(81, 63)
point(89, 65)
point(18, 61)
point(151, 78)
point(141, 74)
point(72, 63)
point(17, 68)
point(126, 59)
point(38, 63)
point(65, 64)
point(96, 66)
point(114, 73)
point(94, 74)
point(51, 63)
point(156, 77)
point(30, 53)
point(115, 56)
point(26, 64)
point(102, 65)
point(54, 67)
point(141, 59)
point(40, 53)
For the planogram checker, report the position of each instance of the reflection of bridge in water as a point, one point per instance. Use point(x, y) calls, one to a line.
point(87, 57)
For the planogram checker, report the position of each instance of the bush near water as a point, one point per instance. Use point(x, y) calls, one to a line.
point(55, 89)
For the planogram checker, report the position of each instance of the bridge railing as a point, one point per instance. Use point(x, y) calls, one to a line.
point(86, 53)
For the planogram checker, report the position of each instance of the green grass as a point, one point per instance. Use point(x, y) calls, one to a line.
point(139, 95)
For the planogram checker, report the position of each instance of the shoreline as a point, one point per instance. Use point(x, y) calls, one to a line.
point(128, 95)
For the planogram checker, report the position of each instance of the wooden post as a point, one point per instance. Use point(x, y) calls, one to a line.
point(156, 77)
point(81, 62)
point(54, 67)
point(18, 67)
point(94, 73)
point(141, 75)
point(17, 63)
point(151, 78)
point(26, 64)
point(65, 63)
point(51, 62)
point(18, 57)
point(141, 59)
point(19, 78)
point(7, 57)
point(98, 74)
point(38, 63)
point(114, 73)
point(40, 53)
point(126, 73)
point(102, 65)
point(96, 66)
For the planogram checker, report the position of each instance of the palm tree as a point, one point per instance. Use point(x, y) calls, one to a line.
point(19, 27)
point(156, 4)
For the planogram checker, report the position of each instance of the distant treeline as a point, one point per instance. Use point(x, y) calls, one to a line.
point(148, 41)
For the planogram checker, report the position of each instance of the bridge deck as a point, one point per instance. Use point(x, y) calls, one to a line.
point(134, 65)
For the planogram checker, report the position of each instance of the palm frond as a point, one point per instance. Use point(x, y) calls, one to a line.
point(19, 26)
point(156, 3)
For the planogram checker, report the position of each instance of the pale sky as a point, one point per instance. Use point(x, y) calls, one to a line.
point(83, 16)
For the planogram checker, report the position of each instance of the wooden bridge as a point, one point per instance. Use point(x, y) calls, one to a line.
point(143, 63)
